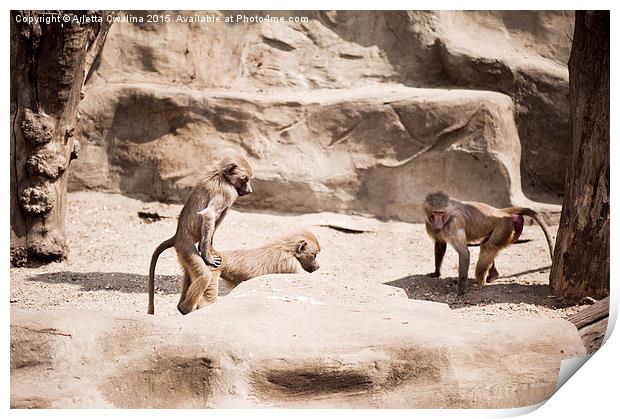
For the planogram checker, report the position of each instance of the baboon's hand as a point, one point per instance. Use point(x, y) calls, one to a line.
point(214, 260)
point(435, 274)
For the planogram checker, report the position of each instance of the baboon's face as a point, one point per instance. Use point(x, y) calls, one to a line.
point(436, 219)
point(239, 177)
point(306, 254)
point(436, 208)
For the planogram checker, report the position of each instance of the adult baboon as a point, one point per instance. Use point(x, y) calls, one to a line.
point(449, 221)
point(201, 215)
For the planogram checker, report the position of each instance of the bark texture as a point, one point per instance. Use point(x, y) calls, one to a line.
point(49, 63)
point(581, 262)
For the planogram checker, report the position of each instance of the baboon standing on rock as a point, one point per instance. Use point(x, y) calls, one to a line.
point(201, 215)
point(449, 221)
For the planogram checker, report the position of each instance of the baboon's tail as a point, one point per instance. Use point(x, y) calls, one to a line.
point(167, 244)
point(536, 217)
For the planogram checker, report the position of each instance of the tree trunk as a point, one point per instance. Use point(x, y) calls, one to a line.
point(581, 261)
point(49, 62)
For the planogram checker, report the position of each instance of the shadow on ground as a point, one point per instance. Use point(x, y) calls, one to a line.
point(111, 281)
point(443, 290)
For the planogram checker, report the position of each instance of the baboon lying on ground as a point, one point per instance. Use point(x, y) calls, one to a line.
point(449, 221)
point(285, 254)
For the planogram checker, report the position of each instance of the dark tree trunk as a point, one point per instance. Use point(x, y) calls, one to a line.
point(49, 62)
point(581, 262)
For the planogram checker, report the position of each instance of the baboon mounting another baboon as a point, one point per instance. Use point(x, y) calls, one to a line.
point(285, 254)
point(201, 215)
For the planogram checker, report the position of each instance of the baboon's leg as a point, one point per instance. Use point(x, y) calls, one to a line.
point(440, 251)
point(499, 239)
point(459, 243)
point(210, 295)
point(493, 274)
point(200, 278)
point(488, 252)
point(185, 281)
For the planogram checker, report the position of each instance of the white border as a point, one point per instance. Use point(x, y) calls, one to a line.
point(593, 390)
point(317, 5)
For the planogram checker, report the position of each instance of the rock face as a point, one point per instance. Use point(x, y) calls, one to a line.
point(376, 150)
point(287, 341)
point(522, 54)
point(328, 109)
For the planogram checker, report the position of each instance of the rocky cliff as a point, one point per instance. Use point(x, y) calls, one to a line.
point(342, 111)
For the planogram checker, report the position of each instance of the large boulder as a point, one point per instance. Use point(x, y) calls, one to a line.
point(287, 341)
point(523, 54)
point(376, 150)
point(270, 67)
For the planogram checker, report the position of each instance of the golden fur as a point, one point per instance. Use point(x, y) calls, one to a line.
point(285, 254)
point(459, 223)
point(202, 213)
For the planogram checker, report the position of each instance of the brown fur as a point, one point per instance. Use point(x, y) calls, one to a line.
point(201, 215)
point(449, 221)
point(285, 254)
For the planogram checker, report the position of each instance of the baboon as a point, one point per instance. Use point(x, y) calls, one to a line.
point(282, 255)
point(449, 221)
point(201, 215)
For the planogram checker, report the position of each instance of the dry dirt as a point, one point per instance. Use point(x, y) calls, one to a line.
point(111, 247)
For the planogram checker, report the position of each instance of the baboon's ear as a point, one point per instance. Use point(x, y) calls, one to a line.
point(301, 246)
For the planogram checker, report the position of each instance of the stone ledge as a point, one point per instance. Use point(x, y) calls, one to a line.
point(287, 341)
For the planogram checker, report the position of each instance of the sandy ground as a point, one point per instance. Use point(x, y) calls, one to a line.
point(111, 248)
